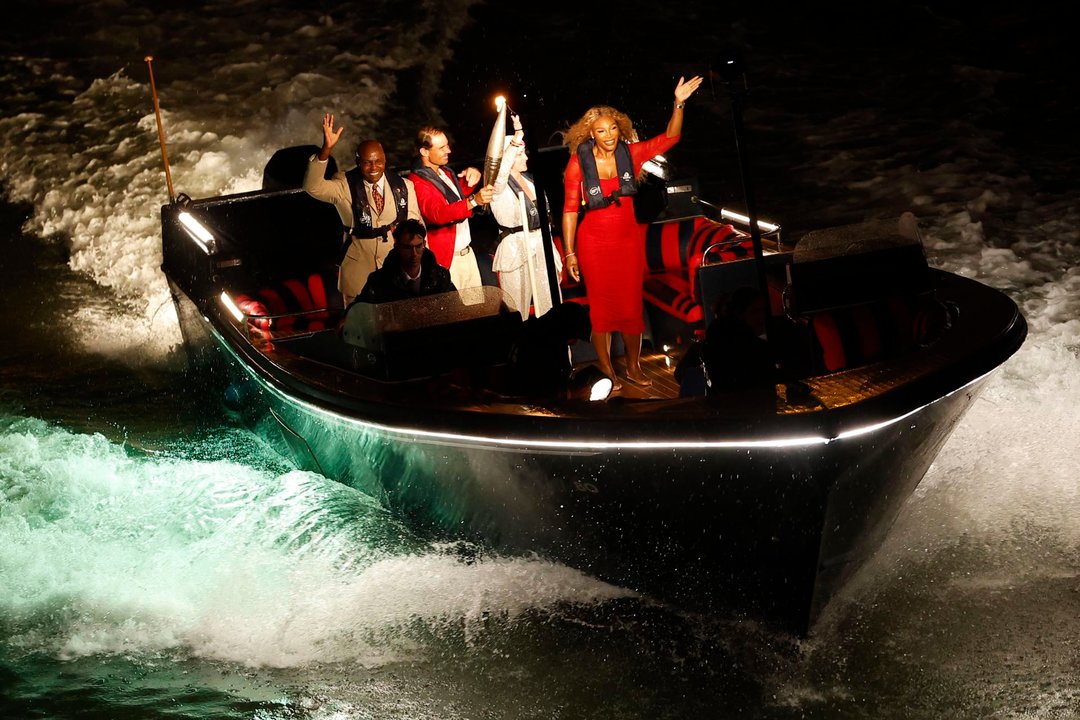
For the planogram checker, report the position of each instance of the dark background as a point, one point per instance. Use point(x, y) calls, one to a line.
point(806, 69)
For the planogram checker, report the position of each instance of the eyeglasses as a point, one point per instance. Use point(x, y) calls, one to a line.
point(409, 248)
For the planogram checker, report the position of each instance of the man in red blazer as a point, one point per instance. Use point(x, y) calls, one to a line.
point(446, 204)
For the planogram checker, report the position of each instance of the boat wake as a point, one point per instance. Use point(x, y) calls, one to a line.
point(108, 550)
point(78, 142)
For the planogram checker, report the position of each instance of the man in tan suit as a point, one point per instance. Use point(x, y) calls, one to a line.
point(369, 202)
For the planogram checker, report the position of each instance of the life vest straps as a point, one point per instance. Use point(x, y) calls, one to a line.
point(423, 171)
point(362, 217)
point(530, 206)
point(592, 196)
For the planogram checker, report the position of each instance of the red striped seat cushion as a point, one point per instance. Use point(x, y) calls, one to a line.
point(673, 253)
point(290, 298)
point(852, 336)
point(670, 291)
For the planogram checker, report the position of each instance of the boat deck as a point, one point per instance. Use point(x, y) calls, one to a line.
point(831, 391)
point(319, 364)
point(659, 368)
point(825, 392)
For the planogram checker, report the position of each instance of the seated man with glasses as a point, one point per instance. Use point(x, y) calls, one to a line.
point(409, 271)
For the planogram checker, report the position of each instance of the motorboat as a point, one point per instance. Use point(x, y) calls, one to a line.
point(473, 424)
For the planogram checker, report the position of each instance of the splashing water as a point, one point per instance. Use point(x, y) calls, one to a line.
point(215, 575)
point(94, 177)
point(107, 551)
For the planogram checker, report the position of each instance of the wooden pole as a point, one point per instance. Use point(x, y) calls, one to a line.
point(160, 129)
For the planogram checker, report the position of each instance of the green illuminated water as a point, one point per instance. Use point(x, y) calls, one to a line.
point(157, 561)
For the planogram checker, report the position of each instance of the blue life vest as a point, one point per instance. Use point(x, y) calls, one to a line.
point(592, 197)
point(530, 208)
point(363, 227)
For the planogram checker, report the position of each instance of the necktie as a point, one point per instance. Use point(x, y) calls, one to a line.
point(378, 198)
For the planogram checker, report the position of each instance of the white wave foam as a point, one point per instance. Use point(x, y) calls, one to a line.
point(102, 552)
point(89, 163)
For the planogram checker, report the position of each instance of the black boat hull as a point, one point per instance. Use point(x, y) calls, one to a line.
point(770, 530)
point(768, 510)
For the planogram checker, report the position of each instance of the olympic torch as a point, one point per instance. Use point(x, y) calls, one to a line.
point(493, 157)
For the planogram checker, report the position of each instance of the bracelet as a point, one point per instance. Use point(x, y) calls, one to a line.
point(680, 106)
point(569, 254)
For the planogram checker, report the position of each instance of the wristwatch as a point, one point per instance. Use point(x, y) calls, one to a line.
point(472, 202)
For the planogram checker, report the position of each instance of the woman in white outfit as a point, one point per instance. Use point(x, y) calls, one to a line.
point(519, 259)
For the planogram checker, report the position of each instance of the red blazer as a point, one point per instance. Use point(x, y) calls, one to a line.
point(441, 217)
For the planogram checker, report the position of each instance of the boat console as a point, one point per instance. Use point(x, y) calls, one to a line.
point(430, 335)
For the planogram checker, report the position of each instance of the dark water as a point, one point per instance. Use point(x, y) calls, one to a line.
point(158, 561)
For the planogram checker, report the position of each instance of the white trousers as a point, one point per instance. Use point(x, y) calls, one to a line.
point(464, 272)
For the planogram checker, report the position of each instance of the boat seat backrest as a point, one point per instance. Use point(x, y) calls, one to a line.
point(679, 245)
point(673, 255)
point(431, 334)
point(304, 304)
point(851, 336)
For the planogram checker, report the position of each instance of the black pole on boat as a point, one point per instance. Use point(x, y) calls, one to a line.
point(733, 72)
point(549, 247)
point(160, 129)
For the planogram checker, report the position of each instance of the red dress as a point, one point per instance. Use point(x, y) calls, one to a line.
point(610, 246)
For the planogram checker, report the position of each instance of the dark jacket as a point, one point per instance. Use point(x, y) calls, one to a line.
point(735, 358)
point(388, 282)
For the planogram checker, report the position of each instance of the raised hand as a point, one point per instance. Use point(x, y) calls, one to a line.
point(686, 88)
point(519, 134)
point(330, 136)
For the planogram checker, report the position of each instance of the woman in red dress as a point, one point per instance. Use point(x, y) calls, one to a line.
point(608, 248)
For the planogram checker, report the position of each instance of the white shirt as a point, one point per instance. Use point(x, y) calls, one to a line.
point(463, 238)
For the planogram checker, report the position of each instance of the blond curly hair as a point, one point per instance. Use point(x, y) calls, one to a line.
point(579, 131)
